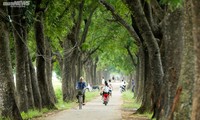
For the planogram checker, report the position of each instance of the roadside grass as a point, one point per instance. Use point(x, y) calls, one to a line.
point(131, 105)
point(91, 95)
point(128, 101)
point(3, 118)
point(60, 105)
point(33, 113)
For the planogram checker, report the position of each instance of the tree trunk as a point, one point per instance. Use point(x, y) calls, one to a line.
point(137, 78)
point(27, 68)
point(153, 50)
point(173, 41)
point(49, 68)
point(147, 86)
point(8, 105)
point(95, 71)
point(196, 35)
point(186, 79)
point(140, 80)
point(35, 86)
point(74, 78)
point(67, 68)
point(20, 49)
point(40, 61)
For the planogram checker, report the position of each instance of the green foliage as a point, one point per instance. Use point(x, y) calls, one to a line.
point(57, 70)
point(58, 93)
point(3, 118)
point(32, 44)
point(173, 3)
point(57, 22)
point(31, 114)
point(112, 39)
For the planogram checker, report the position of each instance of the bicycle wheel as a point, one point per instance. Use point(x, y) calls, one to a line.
point(80, 101)
point(105, 102)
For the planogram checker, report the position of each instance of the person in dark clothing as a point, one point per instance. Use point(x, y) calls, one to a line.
point(133, 85)
point(81, 85)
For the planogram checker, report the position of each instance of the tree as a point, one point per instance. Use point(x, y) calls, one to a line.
point(8, 104)
point(41, 58)
point(196, 30)
point(73, 54)
point(21, 55)
point(186, 79)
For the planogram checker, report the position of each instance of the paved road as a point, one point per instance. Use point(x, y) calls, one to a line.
point(94, 110)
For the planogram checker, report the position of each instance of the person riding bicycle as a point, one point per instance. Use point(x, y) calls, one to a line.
point(81, 85)
point(123, 86)
point(105, 90)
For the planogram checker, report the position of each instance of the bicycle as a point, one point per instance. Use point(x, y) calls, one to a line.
point(80, 98)
point(105, 98)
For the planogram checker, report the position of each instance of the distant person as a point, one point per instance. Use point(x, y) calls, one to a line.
point(122, 86)
point(105, 89)
point(113, 78)
point(110, 87)
point(81, 85)
point(133, 85)
point(102, 81)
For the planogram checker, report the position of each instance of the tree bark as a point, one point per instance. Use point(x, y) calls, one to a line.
point(67, 68)
point(35, 86)
point(153, 50)
point(40, 61)
point(141, 76)
point(196, 36)
point(186, 79)
point(173, 41)
point(8, 106)
point(20, 55)
point(147, 86)
point(27, 67)
point(49, 68)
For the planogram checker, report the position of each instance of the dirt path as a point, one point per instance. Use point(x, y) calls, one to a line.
point(93, 110)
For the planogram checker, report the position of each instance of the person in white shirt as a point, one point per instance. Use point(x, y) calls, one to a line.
point(110, 87)
point(105, 90)
point(102, 81)
point(123, 86)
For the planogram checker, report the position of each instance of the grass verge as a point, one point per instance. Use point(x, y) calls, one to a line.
point(130, 106)
point(128, 101)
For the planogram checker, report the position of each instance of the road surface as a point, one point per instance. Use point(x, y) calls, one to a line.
point(93, 110)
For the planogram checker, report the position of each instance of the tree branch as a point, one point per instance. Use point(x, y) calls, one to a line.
point(90, 53)
point(88, 21)
point(157, 9)
point(131, 55)
point(78, 23)
point(63, 13)
point(122, 22)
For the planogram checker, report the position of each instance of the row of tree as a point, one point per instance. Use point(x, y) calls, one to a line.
point(31, 29)
point(48, 36)
point(167, 81)
point(162, 45)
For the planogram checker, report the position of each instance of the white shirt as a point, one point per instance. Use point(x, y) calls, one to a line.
point(106, 89)
point(103, 81)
